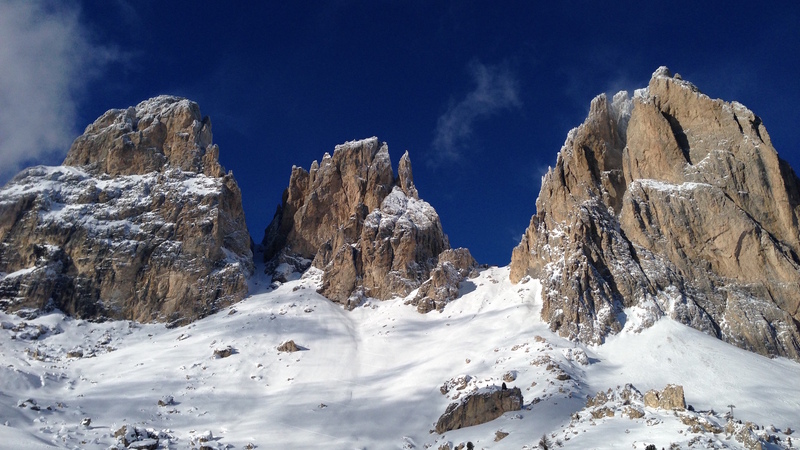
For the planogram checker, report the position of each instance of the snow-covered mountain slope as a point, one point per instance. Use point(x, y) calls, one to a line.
point(371, 378)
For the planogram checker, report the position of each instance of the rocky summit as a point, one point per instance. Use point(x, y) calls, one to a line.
point(363, 226)
point(141, 222)
point(668, 203)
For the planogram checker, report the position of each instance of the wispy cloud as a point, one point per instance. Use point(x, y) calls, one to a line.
point(496, 89)
point(46, 63)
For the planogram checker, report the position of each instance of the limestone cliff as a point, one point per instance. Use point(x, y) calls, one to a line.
point(140, 222)
point(351, 217)
point(669, 203)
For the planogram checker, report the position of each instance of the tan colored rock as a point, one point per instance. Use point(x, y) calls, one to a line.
point(633, 412)
point(458, 383)
point(745, 433)
point(651, 398)
point(405, 178)
point(148, 228)
point(671, 397)
point(365, 228)
point(676, 203)
point(625, 400)
point(602, 412)
point(575, 195)
point(162, 133)
point(288, 347)
point(624, 395)
point(453, 267)
point(479, 407)
point(699, 424)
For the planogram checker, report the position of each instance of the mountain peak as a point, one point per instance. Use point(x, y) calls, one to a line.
point(662, 71)
point(670, 203)
point(158, 134)
point(139, 223)
point(364, 227)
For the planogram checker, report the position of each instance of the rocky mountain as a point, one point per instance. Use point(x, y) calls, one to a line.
point(364, 227)
point(668, 203)
point(657, 207)
point(140, 222)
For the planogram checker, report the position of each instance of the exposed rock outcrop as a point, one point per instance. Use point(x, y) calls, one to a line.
point(224, 352)
point(678, 205)
point(625, 401)
point(365, 228)
point(140, 222)
point(479, 407)
point(160, 134)
point(288, 347)
point(671, 397)
point(443, 286)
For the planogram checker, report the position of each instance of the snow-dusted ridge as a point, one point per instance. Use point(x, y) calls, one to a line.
point(370, 378)
point(66, 191)
point(166, 245)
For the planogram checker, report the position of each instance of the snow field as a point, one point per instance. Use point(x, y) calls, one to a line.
point(368, 378)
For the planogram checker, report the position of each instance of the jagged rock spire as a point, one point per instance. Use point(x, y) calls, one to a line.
point(675, 204)
point(405, 178)
point(365, 228)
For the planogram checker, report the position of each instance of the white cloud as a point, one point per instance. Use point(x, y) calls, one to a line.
point(496, 90)
point(46, 62)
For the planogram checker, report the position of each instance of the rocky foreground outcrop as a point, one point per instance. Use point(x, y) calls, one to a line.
point(364, 227)
point(141, 222)
point(676, 204)
point(479, 407)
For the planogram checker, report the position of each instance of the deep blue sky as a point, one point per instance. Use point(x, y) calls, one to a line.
point(481, 96)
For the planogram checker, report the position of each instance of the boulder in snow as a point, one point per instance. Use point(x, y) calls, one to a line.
point(480, 407)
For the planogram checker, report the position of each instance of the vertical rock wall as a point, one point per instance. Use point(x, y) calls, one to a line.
point(669, 203)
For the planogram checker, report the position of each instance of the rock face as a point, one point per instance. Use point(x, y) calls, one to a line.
point(479, 407)
point(675, 204)
point(669, 398)
point(364, 227)
point(140, 222)
point(443, 286)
